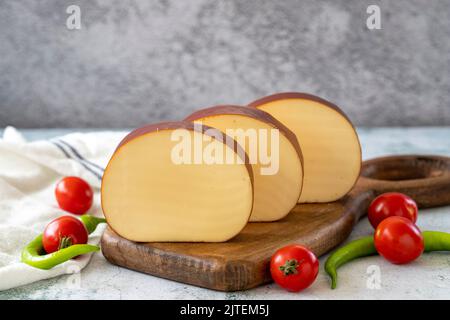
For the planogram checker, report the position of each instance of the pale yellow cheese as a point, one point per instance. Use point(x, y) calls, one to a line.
point(147, 197)
point(275, 194)
point(330, 146)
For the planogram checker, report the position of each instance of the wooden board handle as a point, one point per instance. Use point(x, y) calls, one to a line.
point(424, 178)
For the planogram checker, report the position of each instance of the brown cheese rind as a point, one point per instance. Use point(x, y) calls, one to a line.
point(306, 96)
point(298, 95)
point(173, 125)
point(253, 113)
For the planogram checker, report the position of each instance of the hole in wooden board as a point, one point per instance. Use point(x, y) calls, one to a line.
point(407, 168)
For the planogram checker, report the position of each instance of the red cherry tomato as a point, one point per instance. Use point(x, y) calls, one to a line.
point(294, 267)
point(74, 195)
point(392, 204)
point(398, 240)
point(63, 232)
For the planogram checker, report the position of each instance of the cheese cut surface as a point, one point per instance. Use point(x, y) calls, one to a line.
point(330, 145)
point(276, 194)
point(146, 197)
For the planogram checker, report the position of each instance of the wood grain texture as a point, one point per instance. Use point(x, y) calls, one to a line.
point(242, 262)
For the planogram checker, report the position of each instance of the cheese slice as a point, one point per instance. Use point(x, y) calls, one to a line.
point(278, 182)
point(147, 196)
point(330, 145)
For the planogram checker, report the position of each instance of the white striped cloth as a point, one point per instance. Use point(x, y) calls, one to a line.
point(28, 174)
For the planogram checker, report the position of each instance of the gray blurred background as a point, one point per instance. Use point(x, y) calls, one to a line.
point(135, 62)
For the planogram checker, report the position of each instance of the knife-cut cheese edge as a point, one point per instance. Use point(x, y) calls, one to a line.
point(330, 144)
point(146, 197)
point(278, 192)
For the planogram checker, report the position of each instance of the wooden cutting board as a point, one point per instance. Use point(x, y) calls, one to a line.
point(242, 262)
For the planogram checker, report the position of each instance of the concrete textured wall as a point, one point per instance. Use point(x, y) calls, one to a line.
point(142, 61)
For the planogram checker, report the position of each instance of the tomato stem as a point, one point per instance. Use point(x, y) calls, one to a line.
point(290, 267)
point(65, 242)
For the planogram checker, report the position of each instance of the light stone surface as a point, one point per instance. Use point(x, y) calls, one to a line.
point(426, 278)
point(140, 61)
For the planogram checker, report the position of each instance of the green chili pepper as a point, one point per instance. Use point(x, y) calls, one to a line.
point(91, 222)
point(436, 241)
point(356, 249)
point(34, 254)
point(433, 241)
